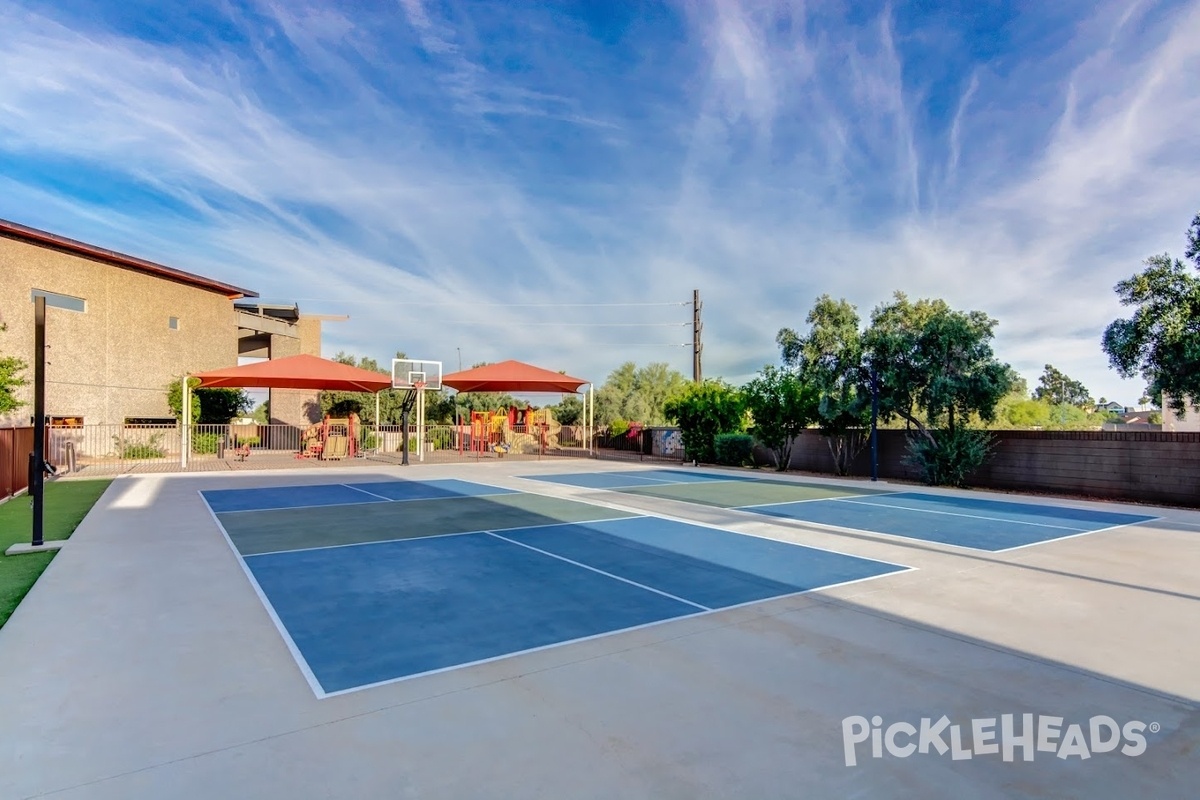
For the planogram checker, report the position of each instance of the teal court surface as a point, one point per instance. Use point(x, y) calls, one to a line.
point(981, 524)
point(372, 582)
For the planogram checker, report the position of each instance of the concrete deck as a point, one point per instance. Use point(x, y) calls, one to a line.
point(143, 665)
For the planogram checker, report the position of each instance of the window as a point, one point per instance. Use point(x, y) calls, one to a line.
point(173, 323)
point(55, 300)
point(66, 422)
point(148, 422)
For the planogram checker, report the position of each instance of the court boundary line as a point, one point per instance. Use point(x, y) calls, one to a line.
point(1077, 535)
point(965, 516)
point(935, 542)
point(761, 518)
point(442, 535)
point(364, 491)
point(783, 502)
point(596, 636)
point(600, 571)
point(504, 490)
point(297, 656)
point(654, 482)
point(825, 526)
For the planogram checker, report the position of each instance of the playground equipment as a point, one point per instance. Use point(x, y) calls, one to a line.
point(331, 439)
point(514, 430)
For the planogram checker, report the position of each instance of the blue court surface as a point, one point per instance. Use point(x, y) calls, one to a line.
point(372, 612)
point(971, 522)
point(993, 525)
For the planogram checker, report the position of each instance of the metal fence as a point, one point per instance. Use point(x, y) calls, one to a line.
point(15, 446)
point(117, 448)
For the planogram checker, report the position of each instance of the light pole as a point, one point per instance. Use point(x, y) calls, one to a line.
point(457, 409)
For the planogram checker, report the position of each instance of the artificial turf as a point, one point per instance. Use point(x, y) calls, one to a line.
point(67, 503)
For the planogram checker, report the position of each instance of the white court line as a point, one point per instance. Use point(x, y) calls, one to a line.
point(967, 516)
point(321, 694)
point(439, 536)
point(1076, 535)
point(595, 636)
point(364, 491)
point(651, 482)
point(360, 502)
point(794, 502)
point(305, 669)
point(598, 571)
point(752, 517)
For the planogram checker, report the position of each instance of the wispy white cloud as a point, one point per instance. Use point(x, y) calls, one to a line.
point(765, 152)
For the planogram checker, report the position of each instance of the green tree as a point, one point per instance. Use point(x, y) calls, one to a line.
point(703, 410)
point(11, 368)
point(781, 406)
point(936, 370)
point(569, 410)
point(638, 394)
point(208, 406)
point(439, 406)
point(1161, 341)
point(830, 359)
point(1056, 387)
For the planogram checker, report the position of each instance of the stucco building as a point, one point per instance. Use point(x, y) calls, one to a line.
point(1188, 423)
point(120, 329)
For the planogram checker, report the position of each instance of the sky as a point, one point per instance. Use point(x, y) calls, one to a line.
point(551, 181)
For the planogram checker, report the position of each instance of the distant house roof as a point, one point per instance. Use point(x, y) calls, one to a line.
point(23, 233)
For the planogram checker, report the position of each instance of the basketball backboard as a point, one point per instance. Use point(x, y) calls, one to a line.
point(408, 372)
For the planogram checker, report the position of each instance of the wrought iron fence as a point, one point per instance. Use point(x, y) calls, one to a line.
point(117, 446)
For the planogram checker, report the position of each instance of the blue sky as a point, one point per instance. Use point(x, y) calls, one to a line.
point(480, 176)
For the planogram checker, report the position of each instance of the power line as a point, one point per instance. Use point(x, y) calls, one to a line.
point(460, 304)
point(510, 323)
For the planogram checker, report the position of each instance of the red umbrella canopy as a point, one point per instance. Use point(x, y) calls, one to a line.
point(296, 372)
point(511, 376)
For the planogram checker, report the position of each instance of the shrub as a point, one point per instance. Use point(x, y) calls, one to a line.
point(138, 450)
point(702, 411)
point(733, 449)
point(439, 438)
point(618, 427)
point(205, 443)
point(948, 457)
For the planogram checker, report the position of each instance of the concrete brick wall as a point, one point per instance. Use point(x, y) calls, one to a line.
point(115, 359)
point(1145, 466)
point(293, 406)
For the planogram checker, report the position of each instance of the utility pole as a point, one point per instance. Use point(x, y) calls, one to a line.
point(697, 327)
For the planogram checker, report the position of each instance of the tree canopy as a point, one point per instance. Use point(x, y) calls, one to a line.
point(1161, 341)
point(638, 394)
point(781, 406)
point(11, 368)
point(704, 410)
point(830, 361)
point(439, 407)
point(931, 359)
point(1059, 389)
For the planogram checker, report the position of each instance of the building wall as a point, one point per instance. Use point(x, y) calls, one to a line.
point(292, 406)
point(115, 359)
point(1189, 422)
